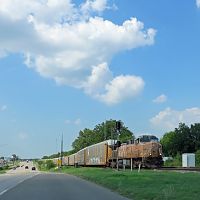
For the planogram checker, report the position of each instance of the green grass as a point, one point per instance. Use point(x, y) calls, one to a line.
point(7, 168)
point(44, 165)
point(146, 185)
point(2, 171)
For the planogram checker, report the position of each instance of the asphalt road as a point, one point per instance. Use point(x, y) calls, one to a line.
point(15, 176)
point(49, 186)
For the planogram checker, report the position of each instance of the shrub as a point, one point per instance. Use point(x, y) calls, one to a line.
point(49, 164)
point(197, 158)
point(175, 162)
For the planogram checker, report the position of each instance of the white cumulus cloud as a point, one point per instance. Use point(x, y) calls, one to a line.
point(160, 99)
point(198, 3)
point(169, 119)
point(94, 5)
point(122, 87)
point(62, 43)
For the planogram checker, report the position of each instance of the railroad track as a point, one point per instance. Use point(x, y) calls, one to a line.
point(192, 169)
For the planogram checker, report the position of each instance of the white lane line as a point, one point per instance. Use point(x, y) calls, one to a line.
point(7, 189)
point(3, 192)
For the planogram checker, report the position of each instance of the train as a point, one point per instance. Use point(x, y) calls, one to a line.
point(145, 151)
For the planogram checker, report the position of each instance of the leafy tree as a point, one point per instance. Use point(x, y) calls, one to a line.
point(49, 164)
point(195, 135)
point(168, 145)
point(104, 131)
point(197, 158)
point(45, 157)
point(67, 153)
point(126, 135)
point(85, 138)
point(183, 139)
point(56, 155)
point(14, 158)
point(40, 162)
point(107, 130)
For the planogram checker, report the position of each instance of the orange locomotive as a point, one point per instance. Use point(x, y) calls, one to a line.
point(145, 151)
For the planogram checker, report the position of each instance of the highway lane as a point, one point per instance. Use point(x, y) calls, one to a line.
point(49, 186)
point(13, 177)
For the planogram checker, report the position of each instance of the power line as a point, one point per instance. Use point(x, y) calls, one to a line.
point(61, 151)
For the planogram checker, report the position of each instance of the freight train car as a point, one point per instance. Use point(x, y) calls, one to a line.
point(99, 154)
point(81, 157)
point(65, 160)
point(72, 159)
point(145, 151)
point(55, 161)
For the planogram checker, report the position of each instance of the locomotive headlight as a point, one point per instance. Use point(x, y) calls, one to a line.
point(150, 154)
point(160, 154)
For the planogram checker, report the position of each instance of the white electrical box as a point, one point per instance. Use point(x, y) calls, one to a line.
point(188, 160)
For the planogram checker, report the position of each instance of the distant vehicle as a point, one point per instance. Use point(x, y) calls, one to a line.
point(26, 167)
point(27, 161)
point(14, 168)
point(33, 168)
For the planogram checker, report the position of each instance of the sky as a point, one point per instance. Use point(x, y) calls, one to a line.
point(68, 65)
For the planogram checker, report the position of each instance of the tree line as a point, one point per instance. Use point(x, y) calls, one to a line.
point(101, 132)
point(184, 139)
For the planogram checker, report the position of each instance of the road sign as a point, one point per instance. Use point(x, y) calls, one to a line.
point(59, 161)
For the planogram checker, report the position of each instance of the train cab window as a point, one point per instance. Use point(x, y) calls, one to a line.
point(154, 139)
point(147, 138)
point(137, 141)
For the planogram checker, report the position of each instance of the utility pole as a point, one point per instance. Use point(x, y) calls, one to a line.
point(112, 139)
point(61, 151)
point(104, 131)
point(57, 151)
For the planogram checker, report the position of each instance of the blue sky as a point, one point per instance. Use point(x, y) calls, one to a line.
point(132, 60)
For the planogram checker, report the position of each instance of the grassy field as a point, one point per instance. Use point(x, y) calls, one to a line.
point(2, 171)
point(6, 168)
point(154, 185)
